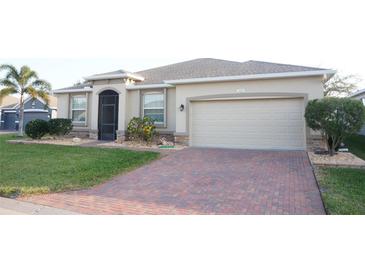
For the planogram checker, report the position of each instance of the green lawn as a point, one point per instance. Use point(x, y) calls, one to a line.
point(343, 189)
point(356, 145)
point(31, 169)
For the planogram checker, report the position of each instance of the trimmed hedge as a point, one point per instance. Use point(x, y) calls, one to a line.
point(335, 118)
point(36, 129)
point(60, 126)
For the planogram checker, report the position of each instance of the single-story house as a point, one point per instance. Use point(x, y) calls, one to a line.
point(203, 102)
point(360, 95)
point(33, 109)
point(6, 101)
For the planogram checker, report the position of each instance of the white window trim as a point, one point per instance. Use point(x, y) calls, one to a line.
point(76, 123)
point(163, 92)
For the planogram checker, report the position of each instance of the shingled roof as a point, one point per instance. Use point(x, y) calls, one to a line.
point(358, 93)
point(203, 68)
point(208, 67)
point(76, 87)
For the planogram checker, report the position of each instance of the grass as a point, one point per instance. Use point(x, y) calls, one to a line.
point(35, 169)
point(343, 190)
point(356, 145)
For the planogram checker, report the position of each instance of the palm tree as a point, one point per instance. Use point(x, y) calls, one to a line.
point(24, 83)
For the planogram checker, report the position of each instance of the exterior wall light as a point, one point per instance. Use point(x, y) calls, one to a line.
point(182, 107)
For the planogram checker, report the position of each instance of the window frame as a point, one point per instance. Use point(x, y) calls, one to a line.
point(79, 123)
point(163, 92)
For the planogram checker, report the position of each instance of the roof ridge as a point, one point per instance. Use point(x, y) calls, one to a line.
point(358, 92)
point(188, 61)
point(283, 64)
point(112, 72)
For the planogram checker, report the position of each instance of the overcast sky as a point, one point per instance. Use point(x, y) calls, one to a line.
point(66, 40)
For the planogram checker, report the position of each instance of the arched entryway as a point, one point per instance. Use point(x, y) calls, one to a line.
point(108, 115)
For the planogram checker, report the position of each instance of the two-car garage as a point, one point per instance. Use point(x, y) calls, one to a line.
point(249, 123)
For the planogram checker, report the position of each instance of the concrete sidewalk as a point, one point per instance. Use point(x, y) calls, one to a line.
point(14, 207)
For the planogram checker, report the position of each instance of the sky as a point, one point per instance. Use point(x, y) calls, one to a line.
point(68, 40)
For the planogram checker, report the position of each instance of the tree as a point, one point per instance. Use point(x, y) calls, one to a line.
point(340, 85)
point(335, 118)
point(23, 82)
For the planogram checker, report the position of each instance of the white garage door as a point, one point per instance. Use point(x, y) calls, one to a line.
point(251, 124)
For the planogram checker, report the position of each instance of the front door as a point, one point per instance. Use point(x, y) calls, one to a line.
point(108, 115)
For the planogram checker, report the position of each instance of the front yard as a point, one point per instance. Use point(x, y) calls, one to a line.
point(34, 169)
point(343, 189)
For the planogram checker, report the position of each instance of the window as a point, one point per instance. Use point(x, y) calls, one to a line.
point(78, 109)
point(154, 107)
point(363, 101)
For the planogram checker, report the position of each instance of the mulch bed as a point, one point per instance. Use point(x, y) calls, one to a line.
point(340, 159)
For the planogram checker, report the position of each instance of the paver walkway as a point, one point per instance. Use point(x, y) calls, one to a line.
point(204, 181)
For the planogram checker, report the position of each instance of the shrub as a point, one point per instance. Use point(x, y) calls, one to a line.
point(141, 129)
point(36, 129)
point(60, 126)
point(134, 129)
point(335, 118)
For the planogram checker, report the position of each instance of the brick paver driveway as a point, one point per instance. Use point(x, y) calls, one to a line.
point(204, 181)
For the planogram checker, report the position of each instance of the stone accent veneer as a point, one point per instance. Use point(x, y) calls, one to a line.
point(182, 139)
point(79, 133)
point(93, 134)
point(120, 136)
point(315, 142)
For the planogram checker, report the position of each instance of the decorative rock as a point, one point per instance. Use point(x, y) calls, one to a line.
point(162, 141)
point(76, 140)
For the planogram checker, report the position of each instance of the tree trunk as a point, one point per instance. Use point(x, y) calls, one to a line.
point(332, 151)
point(330, 147)
point(21, 116)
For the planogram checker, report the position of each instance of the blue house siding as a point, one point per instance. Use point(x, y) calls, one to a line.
point(8, 120)
point(34, 104)
point(33, 109)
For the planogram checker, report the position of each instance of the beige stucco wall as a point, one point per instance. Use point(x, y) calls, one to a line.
point(8, 100)
point(117, 85)
point(308, 85)
point(130, 100)
point(134, 107)
point(171, 110)
point(64, 107)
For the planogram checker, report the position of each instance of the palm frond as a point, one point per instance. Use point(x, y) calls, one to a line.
point(42, 85)
point(37, 93)
point(8, 83)
point(32, 92)
point(7, 91)
point(27, 75)
point(44, 95)
point(12, 72)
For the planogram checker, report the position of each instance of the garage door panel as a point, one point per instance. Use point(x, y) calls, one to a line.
point(246, 124)
point(260, 124)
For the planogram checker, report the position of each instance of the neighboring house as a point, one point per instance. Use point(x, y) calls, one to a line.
point(33, 109)
point(203, 103)
point(5, 102)
point(360, 95)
